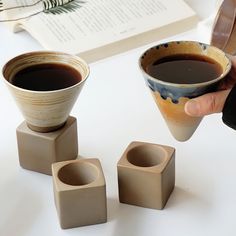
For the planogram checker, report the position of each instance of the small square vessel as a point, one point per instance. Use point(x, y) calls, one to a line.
point(146, 175)
point(79, 192)
point(37, 151)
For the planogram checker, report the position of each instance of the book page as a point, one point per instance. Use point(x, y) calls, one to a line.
point(17, 9)
point(100, 22)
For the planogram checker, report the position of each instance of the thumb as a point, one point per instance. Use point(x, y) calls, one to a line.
point(206, 104)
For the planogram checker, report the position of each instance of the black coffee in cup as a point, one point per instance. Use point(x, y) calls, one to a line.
point(185, 69)
point(46, 77)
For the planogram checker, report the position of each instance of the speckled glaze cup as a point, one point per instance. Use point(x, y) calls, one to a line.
point(171, 97)
point(45, 111)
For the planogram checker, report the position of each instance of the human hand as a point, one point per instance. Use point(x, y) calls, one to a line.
point(212, 102)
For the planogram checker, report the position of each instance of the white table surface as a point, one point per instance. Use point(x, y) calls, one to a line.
point(114, 109)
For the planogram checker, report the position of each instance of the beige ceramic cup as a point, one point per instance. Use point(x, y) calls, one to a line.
point(45, 111)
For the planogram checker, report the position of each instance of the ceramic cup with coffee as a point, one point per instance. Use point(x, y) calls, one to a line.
point(45, 86)
point(178, 71)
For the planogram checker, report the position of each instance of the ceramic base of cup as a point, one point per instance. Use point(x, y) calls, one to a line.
point(146, 175)
point(45, 129)
point(79, 192)
point(37, 151)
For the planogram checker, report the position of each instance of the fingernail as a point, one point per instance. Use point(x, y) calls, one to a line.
point(192, 108)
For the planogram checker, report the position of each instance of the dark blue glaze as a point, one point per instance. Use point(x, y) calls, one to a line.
point(174, 93)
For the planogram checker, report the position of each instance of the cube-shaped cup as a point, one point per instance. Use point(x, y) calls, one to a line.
point(146, 175)
point(79, 192)
point(37, 151)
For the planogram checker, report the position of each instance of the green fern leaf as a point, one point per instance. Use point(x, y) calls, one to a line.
point(71, 6)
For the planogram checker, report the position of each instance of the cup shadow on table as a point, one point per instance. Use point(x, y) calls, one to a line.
point(129, 219)
point(180, 197)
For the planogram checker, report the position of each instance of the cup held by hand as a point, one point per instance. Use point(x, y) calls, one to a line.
point(171, 96)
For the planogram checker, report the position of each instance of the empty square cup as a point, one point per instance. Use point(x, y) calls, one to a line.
point(146, 175)
point(79, 192)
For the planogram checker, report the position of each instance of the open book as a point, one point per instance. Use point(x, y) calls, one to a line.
point(95, 29)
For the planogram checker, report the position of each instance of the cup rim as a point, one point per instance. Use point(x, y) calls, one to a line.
point(92, 167)
point(157, 160)
point(221, 76)
point(27, 54)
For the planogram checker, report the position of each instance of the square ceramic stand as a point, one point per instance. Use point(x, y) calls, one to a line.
point(146, 175)
point(37, 151)
point(79, 192)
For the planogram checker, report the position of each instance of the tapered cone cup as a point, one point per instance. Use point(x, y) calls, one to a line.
point(171, 96)
point(180, 125)
point(45, 111)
